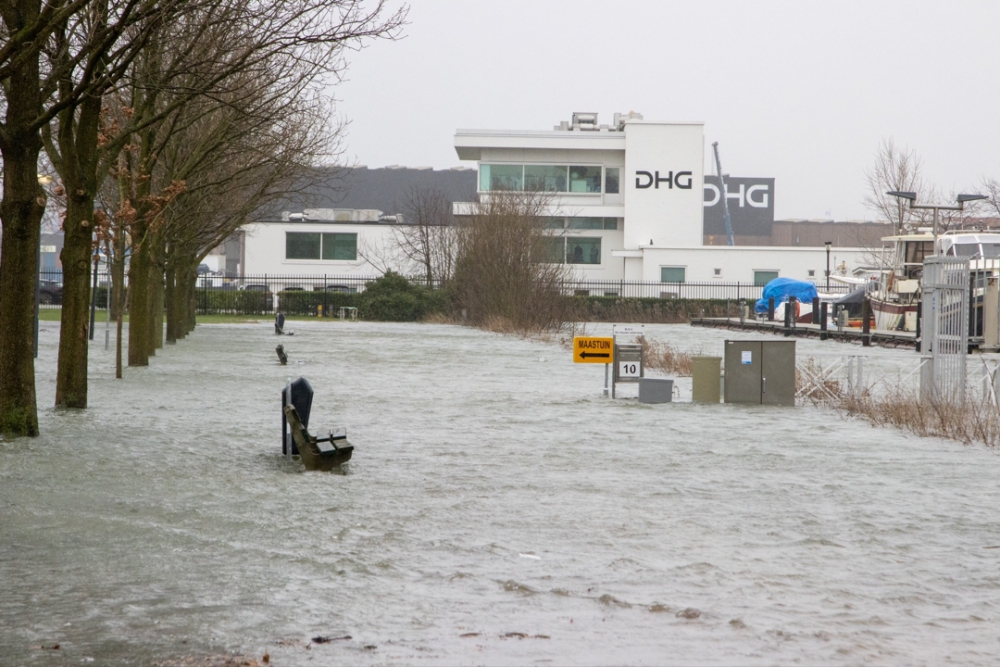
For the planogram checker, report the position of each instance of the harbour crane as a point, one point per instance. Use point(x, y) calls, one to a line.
point(725, 197)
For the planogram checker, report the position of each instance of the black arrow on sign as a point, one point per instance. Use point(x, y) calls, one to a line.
point(598, 355)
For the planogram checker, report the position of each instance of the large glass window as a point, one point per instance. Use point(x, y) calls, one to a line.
point(584, 179)
point(302, 245)
point(611, 180)
point(542, 177)
point(545, 178)
point(583, 250)
point(340, 246)
point(555, 250)
point(764, 277)
point(314, 245)
point(672, 274)
point(501, 177)
point(586, 223)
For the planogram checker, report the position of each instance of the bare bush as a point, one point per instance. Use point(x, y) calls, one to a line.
point(660, 355)
point(506, 276)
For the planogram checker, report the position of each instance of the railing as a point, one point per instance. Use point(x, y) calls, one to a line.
point(263, 293)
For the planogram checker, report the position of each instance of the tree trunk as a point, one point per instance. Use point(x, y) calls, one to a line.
point(71, 376)
point(21, 212)
point(171, 296)
point(190, 284)
point(138, 297)
point(155, 340)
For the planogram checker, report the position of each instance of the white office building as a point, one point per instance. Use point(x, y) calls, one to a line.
point(628, 201)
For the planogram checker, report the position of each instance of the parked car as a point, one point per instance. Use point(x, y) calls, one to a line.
point(49, 291)
point(203, 269)
point(340, 288)
point(267, 297)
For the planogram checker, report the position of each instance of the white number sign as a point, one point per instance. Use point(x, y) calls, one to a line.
point(628, 369)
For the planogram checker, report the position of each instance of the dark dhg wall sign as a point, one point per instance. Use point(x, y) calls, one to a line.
point(751, 206)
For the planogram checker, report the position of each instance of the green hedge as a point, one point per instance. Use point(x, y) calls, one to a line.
point(317, 303)
point(233, 302)
point(661, 311)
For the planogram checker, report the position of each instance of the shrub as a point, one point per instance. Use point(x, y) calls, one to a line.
point(393, 298)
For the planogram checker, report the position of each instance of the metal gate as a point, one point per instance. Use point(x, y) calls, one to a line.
point(945, 330)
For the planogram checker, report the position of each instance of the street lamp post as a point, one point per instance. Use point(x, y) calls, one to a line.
point(912, 197)
point(43, 180)
point(828, 244)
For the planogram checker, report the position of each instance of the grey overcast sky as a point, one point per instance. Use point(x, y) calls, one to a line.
point(799, 91)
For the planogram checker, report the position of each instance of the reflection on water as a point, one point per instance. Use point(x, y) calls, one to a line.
point(497, 510)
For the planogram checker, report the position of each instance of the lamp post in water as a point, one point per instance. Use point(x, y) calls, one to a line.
point(912, 197)
point(828, 244)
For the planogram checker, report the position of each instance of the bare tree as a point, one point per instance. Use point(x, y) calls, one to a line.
point(427, 239)
point(898, 170)
point(508, 270)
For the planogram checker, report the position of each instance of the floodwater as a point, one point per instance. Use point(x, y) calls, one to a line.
point(498, 510)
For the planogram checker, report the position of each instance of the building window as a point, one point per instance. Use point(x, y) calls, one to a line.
point(764, 277)
point(541, 177)
point(302, 245)
point(812, 273)
point(544, 178)
point(555, 250)
point(501, 177)
point(583, 250)
point(340, 246)
point(610, 223)
point(555, 223)
point(586, 223)
point(718, 272)
point(611, 180)
point(574, 250)
point(672, 274)
point(584, 179)
point(314, 245)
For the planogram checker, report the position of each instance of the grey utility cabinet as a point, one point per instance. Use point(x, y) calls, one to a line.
point(760, 371)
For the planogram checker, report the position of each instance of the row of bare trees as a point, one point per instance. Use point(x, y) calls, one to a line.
point(168, 123)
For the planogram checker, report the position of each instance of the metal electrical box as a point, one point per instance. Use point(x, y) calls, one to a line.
point(761, 372)
point(706, 379)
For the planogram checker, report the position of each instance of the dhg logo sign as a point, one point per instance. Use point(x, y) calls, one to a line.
point(682, 179)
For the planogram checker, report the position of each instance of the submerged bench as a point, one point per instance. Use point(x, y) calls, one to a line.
point(318, 453)
point(315, 453)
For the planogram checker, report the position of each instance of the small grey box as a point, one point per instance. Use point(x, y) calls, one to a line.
point(655, 390)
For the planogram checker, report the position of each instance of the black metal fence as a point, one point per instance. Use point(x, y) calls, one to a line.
point(321, 294)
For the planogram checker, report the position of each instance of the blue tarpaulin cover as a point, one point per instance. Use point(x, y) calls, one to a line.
point(782, 288)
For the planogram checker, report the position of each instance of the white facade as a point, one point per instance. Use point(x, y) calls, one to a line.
point(652, 182)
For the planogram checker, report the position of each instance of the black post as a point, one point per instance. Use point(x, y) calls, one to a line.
point(93, 297)
point(770, 309)
point(789, 314)
point(815, 317)
point(919, 338)
point(866, 325)
point(823, 323)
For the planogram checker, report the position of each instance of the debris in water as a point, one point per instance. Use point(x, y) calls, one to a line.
point(690, 612)
point(470, 634)
point(324, 640)
point(738, 624)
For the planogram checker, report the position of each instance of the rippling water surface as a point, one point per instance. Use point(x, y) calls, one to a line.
point(498, 510)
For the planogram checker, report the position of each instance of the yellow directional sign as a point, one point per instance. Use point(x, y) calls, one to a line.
point(591, 350)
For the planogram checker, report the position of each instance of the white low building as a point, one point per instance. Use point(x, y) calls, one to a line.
point(628, 201)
